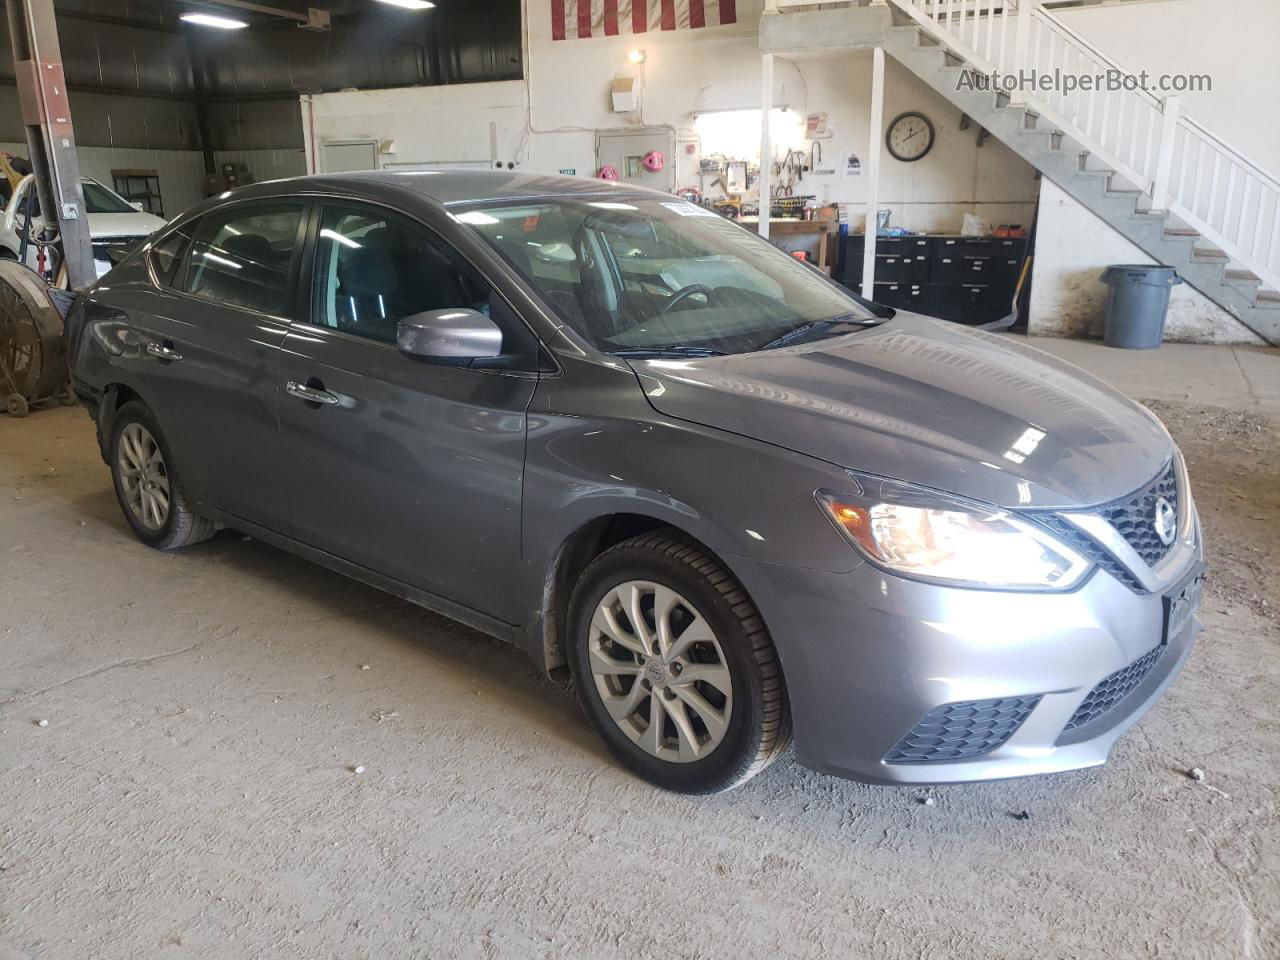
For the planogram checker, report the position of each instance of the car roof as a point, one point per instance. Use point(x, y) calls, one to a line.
point(449, 187)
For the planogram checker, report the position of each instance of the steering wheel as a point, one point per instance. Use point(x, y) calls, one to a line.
point(684, 293)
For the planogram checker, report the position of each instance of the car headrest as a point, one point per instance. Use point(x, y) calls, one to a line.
point(249, 246)
point(366, 272)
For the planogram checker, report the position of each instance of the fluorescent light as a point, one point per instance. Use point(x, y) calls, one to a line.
point(476, 218)
point(210, 20)
point(222, 260)
point(340, 238)
point(411, 4)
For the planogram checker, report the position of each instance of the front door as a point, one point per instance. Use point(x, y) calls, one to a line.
point(209, 365)
point(411, 469)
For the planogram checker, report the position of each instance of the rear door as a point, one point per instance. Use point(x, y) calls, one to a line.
point(211, 351)
point(411, 469)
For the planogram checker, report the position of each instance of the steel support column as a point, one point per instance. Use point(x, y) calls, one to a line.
point(873, 172)
point(46, 114)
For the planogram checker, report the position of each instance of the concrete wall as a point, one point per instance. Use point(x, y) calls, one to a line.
point(1073, 247)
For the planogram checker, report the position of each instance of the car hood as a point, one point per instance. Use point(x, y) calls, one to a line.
point(123, 224)
point(972, 413)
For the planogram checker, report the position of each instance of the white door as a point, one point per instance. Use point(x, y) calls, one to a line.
point(344, 157)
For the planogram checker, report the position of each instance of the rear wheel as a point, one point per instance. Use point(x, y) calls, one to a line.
point(147, 483)
point(674, 667)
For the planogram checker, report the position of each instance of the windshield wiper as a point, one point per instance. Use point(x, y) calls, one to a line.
point(807, 331)
point(669, 350)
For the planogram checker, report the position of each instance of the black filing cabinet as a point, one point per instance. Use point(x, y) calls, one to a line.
point(966, 279)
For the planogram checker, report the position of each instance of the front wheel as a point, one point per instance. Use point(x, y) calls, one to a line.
point(675, 668)
point(147, 483)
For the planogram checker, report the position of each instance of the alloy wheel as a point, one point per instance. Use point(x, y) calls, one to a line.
point(143, 476)
point(660, 671)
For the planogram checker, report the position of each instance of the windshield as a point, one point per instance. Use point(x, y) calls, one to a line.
point(98, 199)
point(651, 275)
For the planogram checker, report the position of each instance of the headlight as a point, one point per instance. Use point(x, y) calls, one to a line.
point(929, 536)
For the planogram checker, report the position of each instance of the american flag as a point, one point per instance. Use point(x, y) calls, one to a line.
point(578, 19)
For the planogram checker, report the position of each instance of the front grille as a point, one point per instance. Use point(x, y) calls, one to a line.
point(1085, 544)
point(958, 731)
point(1134, 517)
point(1113, 689)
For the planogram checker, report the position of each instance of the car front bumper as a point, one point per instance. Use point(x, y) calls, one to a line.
point(868, 655)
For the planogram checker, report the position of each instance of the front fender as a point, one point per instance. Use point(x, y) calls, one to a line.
point(597, 449)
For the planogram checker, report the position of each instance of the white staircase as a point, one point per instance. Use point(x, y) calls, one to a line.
point(1162, 180)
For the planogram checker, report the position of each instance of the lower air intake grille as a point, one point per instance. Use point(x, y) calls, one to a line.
point(1113, 689)
point(958, 731)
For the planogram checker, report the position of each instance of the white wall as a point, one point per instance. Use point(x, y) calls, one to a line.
point(1234, 41)
point(1073, 247)
point(930, 194)
point(427, 124)
point(550, 122)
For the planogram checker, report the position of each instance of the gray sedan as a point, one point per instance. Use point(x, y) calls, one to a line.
point(723, 499)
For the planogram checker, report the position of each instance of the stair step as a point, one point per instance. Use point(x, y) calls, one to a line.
point(1241, 278)
point(1208, 254)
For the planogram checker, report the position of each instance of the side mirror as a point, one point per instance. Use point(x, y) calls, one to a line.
point(137, 205)
point(449, 336)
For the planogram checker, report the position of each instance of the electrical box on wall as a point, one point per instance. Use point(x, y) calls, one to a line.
point(627, 151)
point(626, 94)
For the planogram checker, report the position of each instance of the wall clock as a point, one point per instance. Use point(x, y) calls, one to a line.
point(910, 136)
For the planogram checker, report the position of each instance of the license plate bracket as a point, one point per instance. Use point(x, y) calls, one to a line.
point(1181, 604)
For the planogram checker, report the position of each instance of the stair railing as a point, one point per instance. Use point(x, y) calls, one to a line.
point(1228, 199)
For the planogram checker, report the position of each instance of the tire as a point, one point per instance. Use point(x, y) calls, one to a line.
point(179, 526)
point(16, 405)
point(692, 751)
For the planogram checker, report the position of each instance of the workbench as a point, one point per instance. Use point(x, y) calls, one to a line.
point(814, 237)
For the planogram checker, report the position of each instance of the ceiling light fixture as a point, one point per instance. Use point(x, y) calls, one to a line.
point(410, 4)
point(210, 20)
point(636, 56)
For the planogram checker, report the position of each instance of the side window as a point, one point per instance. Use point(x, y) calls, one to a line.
point(166, 254)
point(372, 269)
point(241, 256)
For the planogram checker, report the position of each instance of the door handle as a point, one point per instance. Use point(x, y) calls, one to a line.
point(162, 351)
point(309, 394)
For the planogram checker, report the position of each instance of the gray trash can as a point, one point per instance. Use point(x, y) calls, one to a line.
point(1137, 301)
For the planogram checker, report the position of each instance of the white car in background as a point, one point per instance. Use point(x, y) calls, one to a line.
point(114, 223)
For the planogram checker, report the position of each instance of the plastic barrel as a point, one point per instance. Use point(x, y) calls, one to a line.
point(1137, 301)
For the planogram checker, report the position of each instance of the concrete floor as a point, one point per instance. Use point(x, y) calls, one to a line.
point(193, 793)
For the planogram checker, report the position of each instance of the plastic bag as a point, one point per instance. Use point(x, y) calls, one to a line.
point(975, 226)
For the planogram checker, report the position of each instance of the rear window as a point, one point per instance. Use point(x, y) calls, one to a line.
point(166, 254)
point(241, 257)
